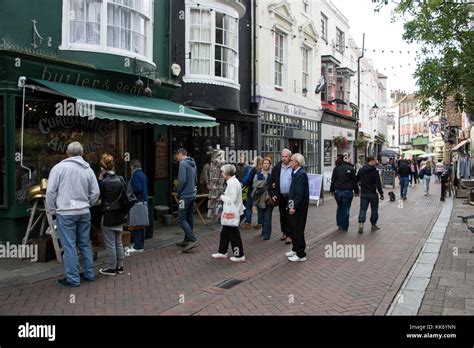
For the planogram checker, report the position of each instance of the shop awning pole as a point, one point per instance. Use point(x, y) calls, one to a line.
point(21, 84)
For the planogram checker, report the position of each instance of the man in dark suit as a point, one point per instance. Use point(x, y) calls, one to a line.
point(298, 203)
point(280, 185)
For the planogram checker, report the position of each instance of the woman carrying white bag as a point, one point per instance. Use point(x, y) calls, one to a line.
point(230, 219)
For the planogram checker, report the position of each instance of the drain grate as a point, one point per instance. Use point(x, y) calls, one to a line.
point(427, 204)
point(229, 283)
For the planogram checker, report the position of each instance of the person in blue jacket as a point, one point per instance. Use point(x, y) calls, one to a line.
point(139, 183)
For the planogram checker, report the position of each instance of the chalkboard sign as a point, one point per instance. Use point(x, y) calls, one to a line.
point(161, 159)
point(388, 178)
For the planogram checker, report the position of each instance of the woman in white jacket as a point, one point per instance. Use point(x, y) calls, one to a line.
point(233, 194)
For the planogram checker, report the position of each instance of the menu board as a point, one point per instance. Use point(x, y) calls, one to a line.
point(315, 185)
point(161, 159)
point(389, 178)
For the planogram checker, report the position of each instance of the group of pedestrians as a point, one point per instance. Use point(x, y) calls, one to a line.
point(345, 185)
point(73, 188)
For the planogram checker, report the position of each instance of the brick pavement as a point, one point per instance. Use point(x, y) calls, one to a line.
point(450, 290)
point(158, 281)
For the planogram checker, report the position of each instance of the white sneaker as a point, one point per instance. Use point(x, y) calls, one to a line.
point(296, 259)
point(425, 194)
point(237, 259)
point(219, 256)
point(290, 254)
point(131, 251)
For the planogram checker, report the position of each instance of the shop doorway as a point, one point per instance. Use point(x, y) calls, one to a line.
point(296, 146)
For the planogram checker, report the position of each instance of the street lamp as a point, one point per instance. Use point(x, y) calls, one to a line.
point(375, 110)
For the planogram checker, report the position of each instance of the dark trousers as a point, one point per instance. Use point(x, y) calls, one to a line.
point(232, 235)
point(138, 239)
point(283, 207)
point(373, 200)
point(297, 225)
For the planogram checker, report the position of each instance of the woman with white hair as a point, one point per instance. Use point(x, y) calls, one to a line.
point(233, 195)
point(298, 203)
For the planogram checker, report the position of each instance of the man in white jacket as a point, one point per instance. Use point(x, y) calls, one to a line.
point(72, 190)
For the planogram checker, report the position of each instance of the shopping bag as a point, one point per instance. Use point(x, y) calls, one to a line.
point(230, 215)
point(139, 215)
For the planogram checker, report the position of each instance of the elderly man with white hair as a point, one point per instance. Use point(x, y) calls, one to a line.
point(298, 203)
point(72, 190)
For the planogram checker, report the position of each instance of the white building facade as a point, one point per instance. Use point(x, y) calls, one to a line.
point(288, 67)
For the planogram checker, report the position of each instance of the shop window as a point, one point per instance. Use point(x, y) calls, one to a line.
point(3, 175)
point(46, 137)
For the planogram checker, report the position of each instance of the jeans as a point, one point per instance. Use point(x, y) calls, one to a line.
point(185, 218)
point(75, 230)
point(344, 201)
point(373, 200)
point(138, 239)
point(265, 215)
point(426, 183)
point(248, 208)
point(404, 180)
point(113, 247)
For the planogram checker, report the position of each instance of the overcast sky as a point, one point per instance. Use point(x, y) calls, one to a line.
point(381, 34)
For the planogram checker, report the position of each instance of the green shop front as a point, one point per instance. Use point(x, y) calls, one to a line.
point(64, 102)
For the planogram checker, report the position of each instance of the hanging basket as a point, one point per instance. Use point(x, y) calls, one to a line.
point(341, 142)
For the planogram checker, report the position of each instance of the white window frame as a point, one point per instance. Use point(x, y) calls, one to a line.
point(306, 74)
point(66, 45)
point(324, 33)
point(307, 7)
point(211, 78)
point(281, 60)
point(339, 47)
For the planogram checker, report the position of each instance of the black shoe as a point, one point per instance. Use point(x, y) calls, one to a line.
point(66, 283)
point(120, 270)
point(375, 228)
point(190, 246)
point(183, 243)
point(108, 271)
point(84, 278)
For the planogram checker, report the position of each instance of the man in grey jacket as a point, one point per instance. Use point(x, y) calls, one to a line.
point(72, 190)
point(187, 181)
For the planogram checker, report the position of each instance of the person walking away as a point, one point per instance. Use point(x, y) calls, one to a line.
point(72, 190)
point(439, 170)
point(205, 177)
point(187, 181)
point(298, 204)
point(370, 183)
point(281, 182)
point(139, 184)
point(264, 203)
point(403, 173)
point(343, 187)
point(231, 234)
point(111, 190)
point(242, 168)
point(426, 176)
point(414, 173)
point(248, 180)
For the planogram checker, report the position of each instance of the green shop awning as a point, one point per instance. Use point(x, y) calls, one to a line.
point(130, 108)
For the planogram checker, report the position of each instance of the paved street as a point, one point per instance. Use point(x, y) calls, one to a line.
point(166, 281)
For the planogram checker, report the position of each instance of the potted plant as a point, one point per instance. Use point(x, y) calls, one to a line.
point(359, 142)
point(341, 142)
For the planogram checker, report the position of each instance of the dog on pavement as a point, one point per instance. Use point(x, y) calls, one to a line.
point(392, 196)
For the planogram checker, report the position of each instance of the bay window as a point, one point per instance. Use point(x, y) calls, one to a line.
point(109, 26)
point(212, 36)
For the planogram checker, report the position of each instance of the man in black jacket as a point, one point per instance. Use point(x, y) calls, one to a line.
point(280, 185)
point(403, 173)
point(369, 179)
point(343, 187)
point(298, 203)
